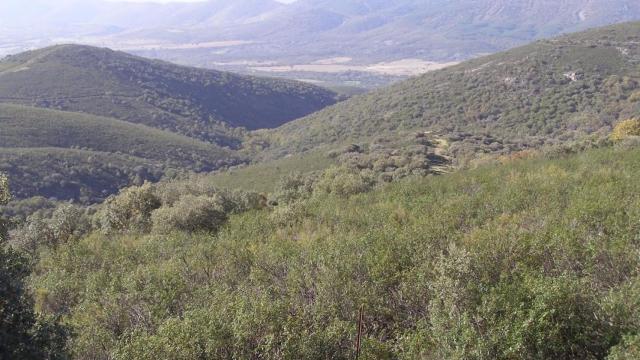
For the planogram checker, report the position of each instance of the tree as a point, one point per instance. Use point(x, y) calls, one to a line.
point(22, 334)
point(5, 196)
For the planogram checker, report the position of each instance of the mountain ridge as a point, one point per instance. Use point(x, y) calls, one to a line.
point(204, 104)
point(552, 91)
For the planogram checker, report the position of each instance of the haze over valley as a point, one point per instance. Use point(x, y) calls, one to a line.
point(320, 179)
point(297, 40)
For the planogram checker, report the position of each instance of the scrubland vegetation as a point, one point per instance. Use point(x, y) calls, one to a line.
point(533, 258)
point(526, 245)
point(547, 93)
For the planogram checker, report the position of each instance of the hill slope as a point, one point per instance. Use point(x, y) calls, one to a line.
point(533, 259)
point(199, 103)
point(28, 127)
point(73, 174)
point(40, 151)
point(551, 91)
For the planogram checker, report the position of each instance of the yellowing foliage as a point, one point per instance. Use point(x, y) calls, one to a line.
point(5, 196)
point(625, 129)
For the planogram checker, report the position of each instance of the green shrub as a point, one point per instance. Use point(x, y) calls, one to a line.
point(626, 129)
point(65, 223)
point(294, 187)
point(5, 196)
point(629, 349)
point(23, 334)
point(130, 210)
point(190, 214)
point(342, 181)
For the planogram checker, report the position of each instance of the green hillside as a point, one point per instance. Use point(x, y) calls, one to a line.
point(29, 127)
point(549, 92)
point(203, 104)
point(77, 156)
point(71, 174)
point(532, 259)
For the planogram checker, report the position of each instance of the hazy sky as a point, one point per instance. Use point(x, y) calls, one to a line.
point(167, 1)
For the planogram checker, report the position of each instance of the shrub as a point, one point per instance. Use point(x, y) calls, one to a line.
point(130, 210)
point(240, 201)
point(35, 232)
point(294, 187)
point(626, 129)
point(548, 318)
point(629, 349)
point(5, 196)
point(22, 334)
point(289, 214)
point(190, 214)
point(344, 182)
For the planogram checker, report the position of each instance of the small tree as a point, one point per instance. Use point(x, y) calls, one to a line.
point(5, 196)
point(345, 182)
point(22, 334)
point(626, 129)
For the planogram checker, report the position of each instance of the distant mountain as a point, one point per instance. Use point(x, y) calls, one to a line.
point(550, 92)
point(368, 31)
point(433, 29)
point(203, 104)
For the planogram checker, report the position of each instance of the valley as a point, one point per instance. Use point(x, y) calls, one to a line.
point(353, 179)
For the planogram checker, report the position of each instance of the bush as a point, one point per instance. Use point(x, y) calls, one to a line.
point(130, 210)
point(629, 349)
point(190, 214)
point(294, 187)
point(23, 335)
point(626, 129)
point(67, 222)
point(5, 196)
point(344, 182)
point(548, 318)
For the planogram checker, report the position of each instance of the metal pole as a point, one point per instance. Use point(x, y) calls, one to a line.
point(360, 328)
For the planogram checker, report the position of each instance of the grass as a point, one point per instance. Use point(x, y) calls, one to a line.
point(263, 177)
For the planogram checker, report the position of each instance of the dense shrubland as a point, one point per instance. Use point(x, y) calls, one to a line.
point(533, 258)
point(546, 93)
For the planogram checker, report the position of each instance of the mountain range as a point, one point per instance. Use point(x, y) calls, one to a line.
point(308, 30)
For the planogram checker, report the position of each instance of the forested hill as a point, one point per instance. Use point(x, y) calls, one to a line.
point(66, 155)
point(203, 104)
point(547, 92)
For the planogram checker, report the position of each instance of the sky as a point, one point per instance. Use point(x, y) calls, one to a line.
point(169, 1)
